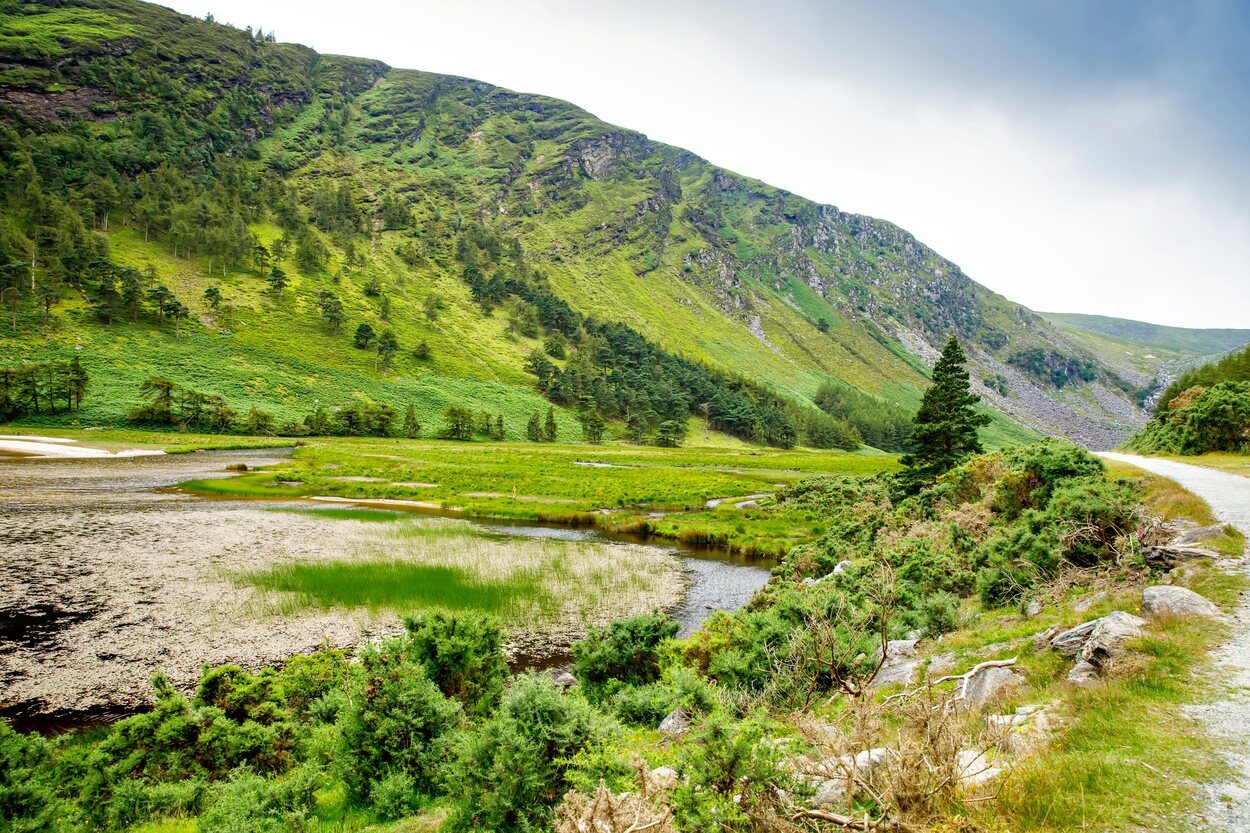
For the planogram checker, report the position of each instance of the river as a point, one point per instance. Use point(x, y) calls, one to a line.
point(108, 575)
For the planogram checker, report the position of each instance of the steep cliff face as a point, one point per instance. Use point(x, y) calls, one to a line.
point(708, 263)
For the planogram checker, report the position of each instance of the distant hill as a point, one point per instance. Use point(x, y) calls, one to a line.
point(1151, 356)
point(499, 240)
point(1180, 339)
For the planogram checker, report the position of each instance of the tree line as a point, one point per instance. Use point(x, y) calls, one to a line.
point(42, 388)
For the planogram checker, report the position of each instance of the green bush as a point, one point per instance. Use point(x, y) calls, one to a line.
point(462, 654)
point(394, 795)
point(248, 803)
point(510, 771)
point(627, 651)
point(394, 722)
point(28, 802)
point(729, 777)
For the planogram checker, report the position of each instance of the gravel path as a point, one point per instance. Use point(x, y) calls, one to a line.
point(1227, 717)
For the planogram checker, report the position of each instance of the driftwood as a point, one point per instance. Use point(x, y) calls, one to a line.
point(848, 822)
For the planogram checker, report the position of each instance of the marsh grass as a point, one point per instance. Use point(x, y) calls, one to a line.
point(420, 563)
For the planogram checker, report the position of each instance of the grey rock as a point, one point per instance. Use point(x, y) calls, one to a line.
point(842, 566)
point(665, 777)
point(1033, 608)
point(1072, 641)
point(830, 793)
point(1083, 674)
point(565, 680)
point(1042, 641)
point(1197, 535)
point(975, 768)
point(677, 723)
point(1106, 641)
point(1171, 601)
point(987, 684)
point(1169, 557)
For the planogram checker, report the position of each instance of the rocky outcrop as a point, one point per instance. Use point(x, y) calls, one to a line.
point(1106, 640)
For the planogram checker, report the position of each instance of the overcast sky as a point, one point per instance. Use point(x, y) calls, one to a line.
point(1074, 156)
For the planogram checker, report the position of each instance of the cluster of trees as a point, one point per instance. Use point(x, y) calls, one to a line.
point(857, 419)
point(42, 388)
point(169, 404)
point(1199, 420)
point(1206, 409)
point(1054, 368)
point(463, 425)
point(538, 430)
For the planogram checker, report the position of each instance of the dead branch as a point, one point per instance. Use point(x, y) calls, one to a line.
point(964, 679)
point(847, 822)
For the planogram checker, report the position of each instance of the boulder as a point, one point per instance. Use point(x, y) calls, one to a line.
point(842, 566)
point(1041, 641)
point(1070, 642)
point(1169, 557)
point(1106, 640)
point(1021, 732)
point(974, 767)
point(677, 723)
point(1086, 602)
point(1166, 601)
point(664, 777)
point(564, 680)
point(987, 684)
point(900, 663)
point(1083, 673)
point(1033, 608)
point(830, 794)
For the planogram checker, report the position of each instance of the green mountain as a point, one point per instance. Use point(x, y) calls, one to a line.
point(1150, 355)
point(517, 249)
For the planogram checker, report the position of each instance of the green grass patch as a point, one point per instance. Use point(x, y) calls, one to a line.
point(396, 585)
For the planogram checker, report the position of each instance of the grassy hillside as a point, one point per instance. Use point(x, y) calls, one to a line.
point(146, 140)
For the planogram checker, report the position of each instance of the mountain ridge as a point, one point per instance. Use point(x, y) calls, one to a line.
point(707, 263)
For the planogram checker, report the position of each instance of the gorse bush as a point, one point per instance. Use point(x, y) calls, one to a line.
point(1200, 420)
point(463, 655)
point(509, 771)
point(395, 721)
point(627, 651)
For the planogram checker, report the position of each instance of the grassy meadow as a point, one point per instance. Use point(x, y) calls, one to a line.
point(637, 489)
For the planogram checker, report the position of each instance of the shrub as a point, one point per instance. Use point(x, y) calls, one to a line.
point(462, 654)
point(394, 721)
point(27, 801)
point(628, 651)
point(394, 795)
point(939, 614)
point(729, 777)
point(248, 803)
point(511, 770)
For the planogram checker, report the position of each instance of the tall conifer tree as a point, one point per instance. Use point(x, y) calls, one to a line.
point(947, 422)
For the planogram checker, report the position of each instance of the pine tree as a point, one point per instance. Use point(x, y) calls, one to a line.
point(549, 430)
point(534, 428)
point(946, 425)
point(412, 428)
